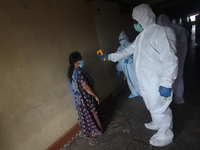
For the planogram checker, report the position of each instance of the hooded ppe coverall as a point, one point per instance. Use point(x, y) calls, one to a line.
point(128, 68)
point(155, 65)
point(181, 47)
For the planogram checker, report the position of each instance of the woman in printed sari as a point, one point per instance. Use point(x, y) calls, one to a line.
point(86, 101)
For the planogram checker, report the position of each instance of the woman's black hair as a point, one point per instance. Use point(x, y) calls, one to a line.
point(74, 57)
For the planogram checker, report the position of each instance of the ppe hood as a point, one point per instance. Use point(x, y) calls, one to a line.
point(144, 15)
point(123, 35)
point(163, 20)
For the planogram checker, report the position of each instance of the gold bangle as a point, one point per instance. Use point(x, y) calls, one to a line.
point(94, 95)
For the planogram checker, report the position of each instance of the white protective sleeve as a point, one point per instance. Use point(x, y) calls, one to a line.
point(114, 57)
point(167, 48)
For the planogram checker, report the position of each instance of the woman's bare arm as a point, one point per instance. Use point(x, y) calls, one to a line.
point(90, 91)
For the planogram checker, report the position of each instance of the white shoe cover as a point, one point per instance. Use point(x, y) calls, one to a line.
point(131, 96)
point(151, 126)
point(159, 141)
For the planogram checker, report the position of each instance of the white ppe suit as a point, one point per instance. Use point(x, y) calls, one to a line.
point(181, 47)
point(155, 65)
point(128, 68)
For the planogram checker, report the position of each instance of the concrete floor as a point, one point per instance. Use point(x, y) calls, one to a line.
point(124, 118)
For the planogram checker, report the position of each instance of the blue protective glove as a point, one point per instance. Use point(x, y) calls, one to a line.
point(118, 73)
point(104, 55)
point(101, 56)
point(166, 92)
point(126, 61)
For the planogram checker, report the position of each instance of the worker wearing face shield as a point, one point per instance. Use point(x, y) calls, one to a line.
point(127, 67)
point(181, 46)
point(156, 67)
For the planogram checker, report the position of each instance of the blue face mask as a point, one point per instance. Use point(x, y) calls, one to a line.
point(122, 42)
point(137, 27)
point(81, 63)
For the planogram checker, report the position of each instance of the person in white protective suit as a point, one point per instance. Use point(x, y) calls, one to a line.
point(126, 65)
point(181, 47)
point(156, 67)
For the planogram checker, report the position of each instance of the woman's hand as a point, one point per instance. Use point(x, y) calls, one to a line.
point(97, 99)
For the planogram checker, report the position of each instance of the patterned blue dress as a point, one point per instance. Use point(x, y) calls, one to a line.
point(87, 108)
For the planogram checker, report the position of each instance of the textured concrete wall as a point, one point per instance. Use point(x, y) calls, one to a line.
point(36, 104)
